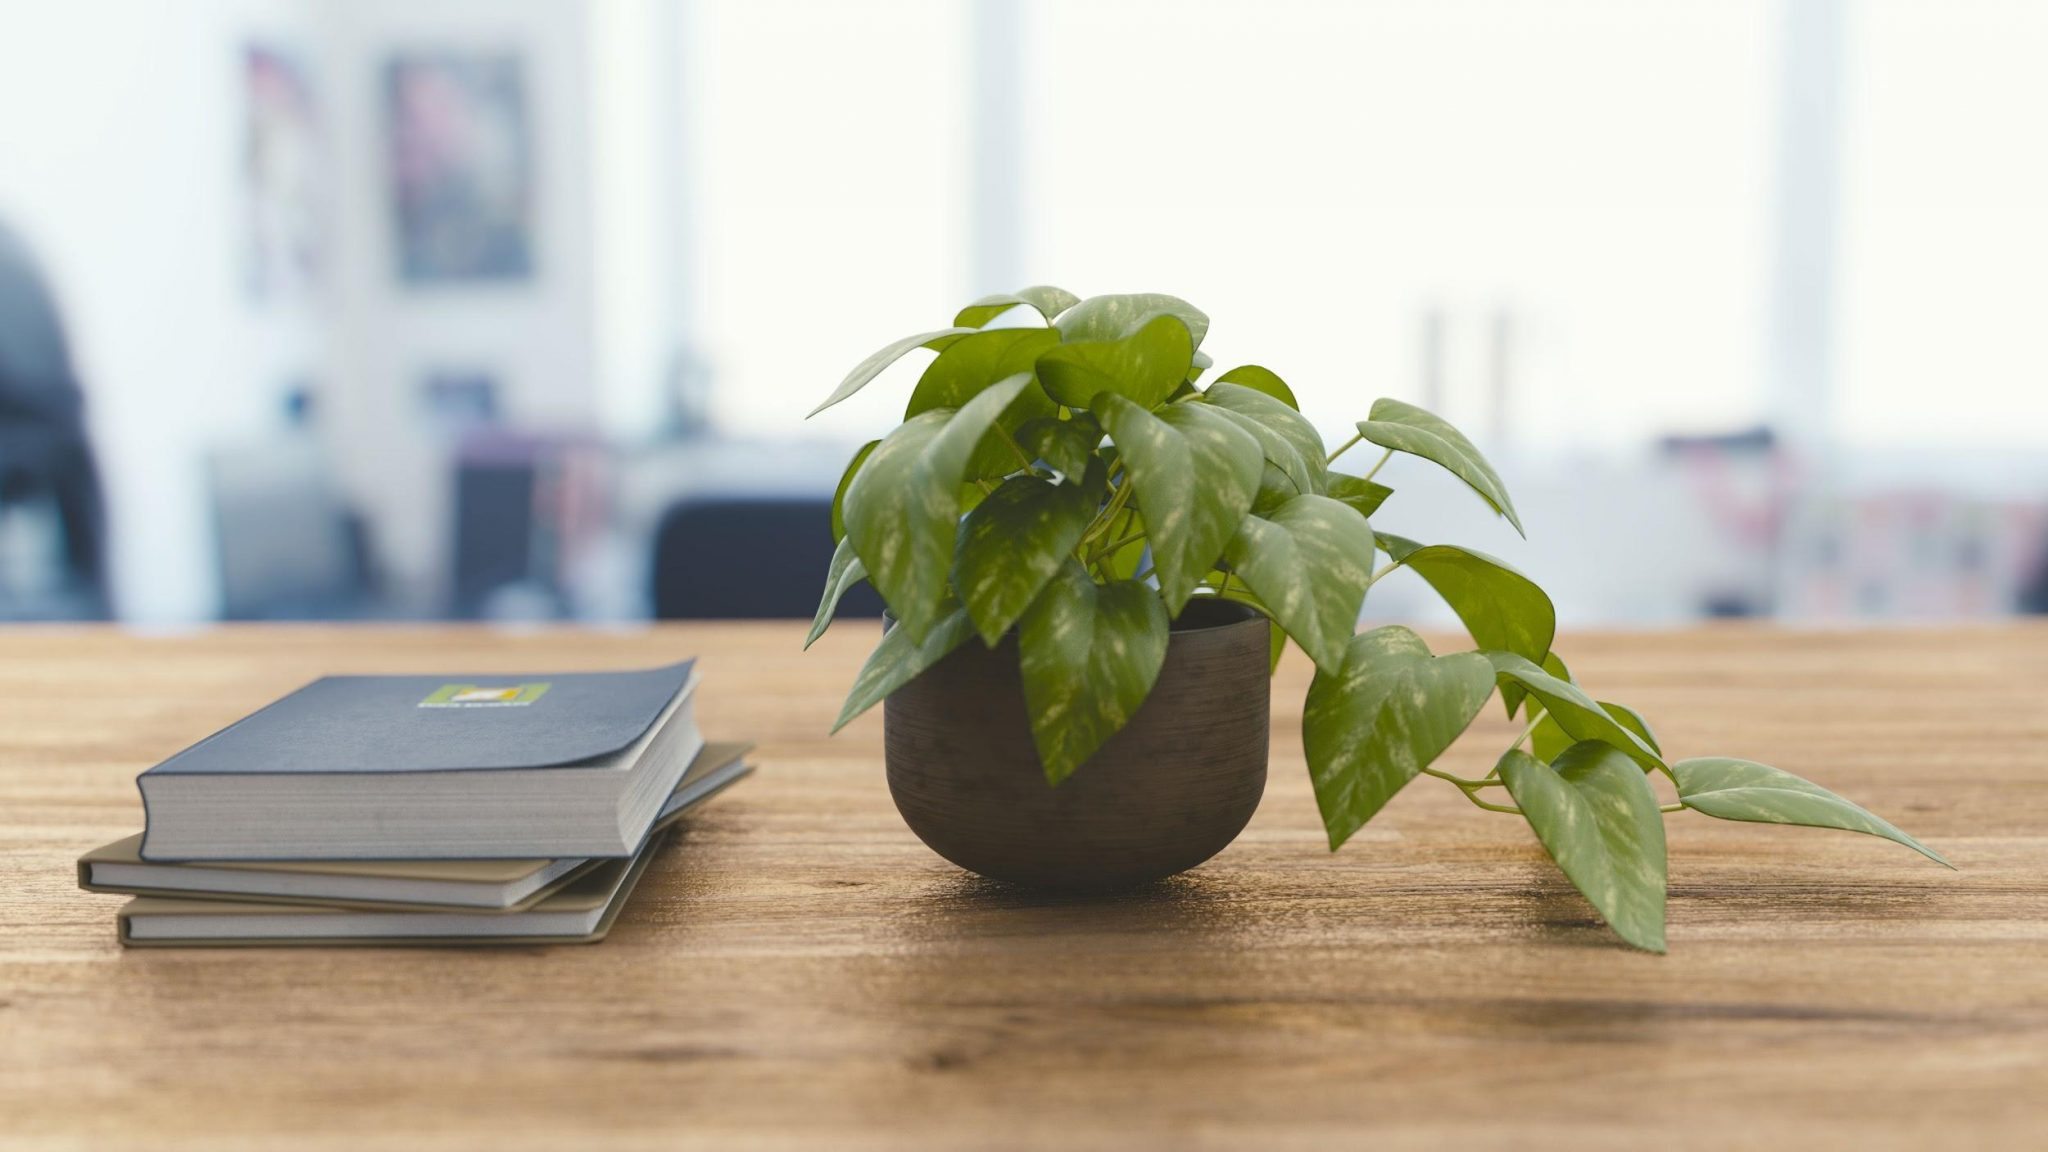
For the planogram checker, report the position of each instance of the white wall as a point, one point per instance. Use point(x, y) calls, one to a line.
point(120, 130)
point(537, 337)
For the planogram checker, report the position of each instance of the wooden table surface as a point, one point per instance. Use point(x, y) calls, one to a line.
point(800, 971)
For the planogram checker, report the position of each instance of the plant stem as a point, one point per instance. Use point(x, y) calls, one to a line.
point(1107, 516)
point(1025, 457)
point(1470, 790)
point(1120, 545)
point(1461, 781)
point(1670, 807)
point(1536, 716)
point(1388, 455)
point(1343, 448)
point(1375, 577)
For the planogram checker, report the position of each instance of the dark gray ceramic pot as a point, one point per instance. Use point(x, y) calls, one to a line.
point(1170, 790)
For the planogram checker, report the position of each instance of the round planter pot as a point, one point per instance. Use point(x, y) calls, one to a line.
point(1170, 790)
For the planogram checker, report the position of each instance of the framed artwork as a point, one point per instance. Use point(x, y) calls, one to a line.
point(459, 135)
point(282, 176)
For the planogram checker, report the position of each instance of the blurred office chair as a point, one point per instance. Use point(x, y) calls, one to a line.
point(288, 546)
point(47, 471)
point(747, 559)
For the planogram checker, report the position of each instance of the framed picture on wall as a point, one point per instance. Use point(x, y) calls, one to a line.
point(459, 137)
point(282, 174)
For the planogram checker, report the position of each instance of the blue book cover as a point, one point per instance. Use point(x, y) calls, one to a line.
point(368, 724)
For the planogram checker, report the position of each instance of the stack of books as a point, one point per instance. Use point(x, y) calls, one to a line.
point(417, 810)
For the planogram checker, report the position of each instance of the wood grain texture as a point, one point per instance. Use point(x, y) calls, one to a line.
point(801, 972)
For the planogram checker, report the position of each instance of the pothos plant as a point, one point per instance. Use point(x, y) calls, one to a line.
point(1073, 477)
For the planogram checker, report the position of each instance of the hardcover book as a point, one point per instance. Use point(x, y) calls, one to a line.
point(431, 767)
point(581, 913)
point(497, 885)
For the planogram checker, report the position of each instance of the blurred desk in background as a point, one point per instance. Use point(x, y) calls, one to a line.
point(800, 971)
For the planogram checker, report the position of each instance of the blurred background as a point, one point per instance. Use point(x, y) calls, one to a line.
point(511, 309)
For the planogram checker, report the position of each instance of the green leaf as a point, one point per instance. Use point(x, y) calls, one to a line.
point(1115, 317)
point(1373, 727)
point(973, 363)
point(1199, 364)
point(872, 367)
point(1046, 299)
point(1144, 367)
point(1277, 419)
point(1360, 493)
point(1502, 608)
point(1577, 713)
point(1125, 561)
point(1067, 445)
point(1275, 489)
point(1013, 543)
point(1597, 817)
point(1193, 475)
point(1406, 428)
point(1547, 740)
point(1264, 380)
point(845, 480)
point(1089, 654)
point(1511, 694)
point(1633, 720)
point(899, 659)
point(976, 361)
point(844, 574)
point(1309, 561)
point(903, 507)
point(1745, 790)
point(1293, 478)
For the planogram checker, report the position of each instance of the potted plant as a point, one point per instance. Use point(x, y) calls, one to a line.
point(1093, 557)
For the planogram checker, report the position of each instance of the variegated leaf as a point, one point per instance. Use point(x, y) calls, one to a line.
point(1115, 317)
point(1406, 428)
point(1275, 489)
point(1282, 421)
point(1280, 456)
point(1578, 714)
point(1360, 493)
point(1597, 817)
point(844, 574)
point(1547, 739)
point(1371, 728)
point(1045, 299)
point(1262, 380)
point(1089, 655)
point(1067, 445)
point(971, 364)
point(1193, 475)
point(1511, 693)
point(872, 367)
point(899, 659)
point(1144, 367)
point(1502, 608)
point(845, 481)
point(1014, 542)
point(976, 361)
point(1309, 561)
point(1745, 790)
point(903, 507)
